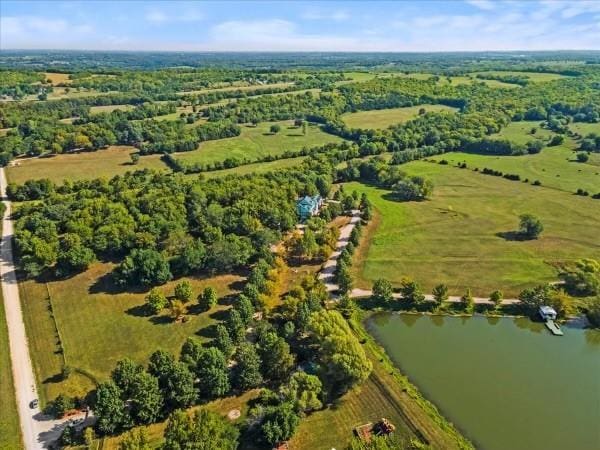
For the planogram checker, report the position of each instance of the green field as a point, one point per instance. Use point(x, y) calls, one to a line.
point(458, 237)
point(257, 142)
point(114, 160)
point(10, 432)
point(98, 326)
point(383, 118)
point(109, 108)
point(585, 128)
point(535, 77)
point(555, 167)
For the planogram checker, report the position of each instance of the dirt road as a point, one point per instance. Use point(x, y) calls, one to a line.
point(38, 431)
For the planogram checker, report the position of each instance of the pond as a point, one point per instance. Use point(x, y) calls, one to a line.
point(505, 383)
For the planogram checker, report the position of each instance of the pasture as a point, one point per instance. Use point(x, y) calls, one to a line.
point(98, 325)
point(109, 108)
point(462, 235)
point(584, 129)
point(114, 160)
point(383, 118)
point(256, 142)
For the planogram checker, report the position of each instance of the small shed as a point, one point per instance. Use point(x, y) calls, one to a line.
point(547, 312)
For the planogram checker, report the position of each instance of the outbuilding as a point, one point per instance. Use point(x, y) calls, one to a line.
point(547, 312)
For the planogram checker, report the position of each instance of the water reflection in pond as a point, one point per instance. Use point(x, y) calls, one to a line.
point(506, 383)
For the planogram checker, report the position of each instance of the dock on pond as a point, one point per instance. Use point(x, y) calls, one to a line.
point(554, 328)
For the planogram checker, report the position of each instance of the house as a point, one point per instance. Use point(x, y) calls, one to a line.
point(547, 313)
point(308, 206)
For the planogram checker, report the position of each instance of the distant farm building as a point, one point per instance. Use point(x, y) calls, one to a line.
point(309, 206)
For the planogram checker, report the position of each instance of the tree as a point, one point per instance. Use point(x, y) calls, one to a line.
point(223, 341)
point(583, 157)
point(109, 408)
point(246, 374)
point(235, 326)
point(146, 399)
point(144, 266)
point(212, 373)
point(532, 298)
point(304, 391)
point(245, 308)
point(582, 278)
point(496, 298)
point(59, 406)
point(183, 291)
point(411, 292)
point(204, 430)
point(156, 301)
point(440, 294)
point(277, 360)
point(343, 360)
point(467, 301)
point(413, 188)
point(136, 439)
point(208, 299)
point(304, 128)
point(135, 158)
point(125, 373)
point(280, 423)
point(530, 226)
point(593, 311)
point(177, 385)
point(343, 278)
point(275, 128)
point(177, 309)
point(383, 291)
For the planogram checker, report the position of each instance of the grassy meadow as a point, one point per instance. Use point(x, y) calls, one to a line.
point(459, 237)
point(257, 142)
point(114, 160)
point(10, 432)
point(383, 118)
point(534, 77)
point(98, 325)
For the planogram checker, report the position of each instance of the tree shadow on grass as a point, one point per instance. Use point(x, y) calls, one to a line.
point(512, 236)
point(106, 285)
point(56, 378)
point(139, 311)
point(209, 332)
point(220, 315)
point(237, 285)
point(161, 320)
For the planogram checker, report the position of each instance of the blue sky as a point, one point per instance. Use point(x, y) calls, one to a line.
point(301, 26)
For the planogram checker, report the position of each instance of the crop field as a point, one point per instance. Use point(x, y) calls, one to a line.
point(461, 236)
point(114, 160)
point(58, 78)
point(257, 142)
point(383, 118)
point(10, 432)
point(98, 325)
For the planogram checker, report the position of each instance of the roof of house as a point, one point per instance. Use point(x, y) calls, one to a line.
point(547, 309)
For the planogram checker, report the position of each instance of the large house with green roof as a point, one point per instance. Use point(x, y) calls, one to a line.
point(308, 206)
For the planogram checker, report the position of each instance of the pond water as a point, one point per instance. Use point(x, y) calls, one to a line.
point(507, 384)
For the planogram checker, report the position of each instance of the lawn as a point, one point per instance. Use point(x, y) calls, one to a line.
point(98, 326)
point(114, 160)
point(458, 237)
point(10, 432)
point(383, 118)
point(257, 142)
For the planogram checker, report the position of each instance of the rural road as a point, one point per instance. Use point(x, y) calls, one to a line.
point(38, 430)
point(327, 272)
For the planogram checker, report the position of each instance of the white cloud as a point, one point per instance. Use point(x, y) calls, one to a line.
point(157, 16)
point(336, 16)
point(486, 5)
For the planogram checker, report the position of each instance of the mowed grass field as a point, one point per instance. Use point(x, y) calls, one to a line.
point(98, 326)
point(114, 160)
point(383, 118)
point(10, 432)
point(458, 236)
point(257, 142)
point(555, 167)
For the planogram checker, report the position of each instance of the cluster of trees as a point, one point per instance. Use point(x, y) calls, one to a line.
point(582, 277)
point(521, 79)
point(591, 143)
point(317, 241)
point(159, 225)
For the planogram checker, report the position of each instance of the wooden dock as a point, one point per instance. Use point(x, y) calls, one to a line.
point(554, 329)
